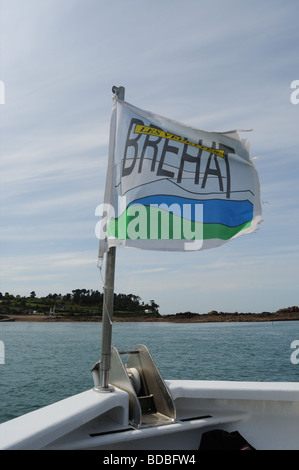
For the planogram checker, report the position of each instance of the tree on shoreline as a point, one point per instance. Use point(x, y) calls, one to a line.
point(80, 301)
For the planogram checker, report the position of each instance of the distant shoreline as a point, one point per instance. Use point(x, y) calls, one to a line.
point(187, 317)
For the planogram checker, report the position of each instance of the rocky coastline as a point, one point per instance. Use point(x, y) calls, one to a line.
point(284, 314)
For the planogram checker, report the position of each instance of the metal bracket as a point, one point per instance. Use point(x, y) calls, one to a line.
point(150, 402)
point(119, 92)
point(97, 379)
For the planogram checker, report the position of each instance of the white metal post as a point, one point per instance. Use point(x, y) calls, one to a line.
point(108, 298)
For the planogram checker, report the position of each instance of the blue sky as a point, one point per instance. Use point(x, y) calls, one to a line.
point(211, 64)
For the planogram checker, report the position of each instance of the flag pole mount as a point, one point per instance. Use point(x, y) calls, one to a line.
point(119, 92)
point(101, 368)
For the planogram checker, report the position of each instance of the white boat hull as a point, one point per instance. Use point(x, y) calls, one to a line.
point(265, 413)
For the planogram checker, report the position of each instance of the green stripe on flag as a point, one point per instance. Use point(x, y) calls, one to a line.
point(149, 224)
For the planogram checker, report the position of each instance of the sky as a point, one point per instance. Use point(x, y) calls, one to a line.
point(211, 64)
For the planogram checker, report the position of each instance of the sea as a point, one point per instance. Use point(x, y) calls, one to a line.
point(41, 363)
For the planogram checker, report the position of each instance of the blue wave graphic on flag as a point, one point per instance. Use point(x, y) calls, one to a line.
point(215, 211)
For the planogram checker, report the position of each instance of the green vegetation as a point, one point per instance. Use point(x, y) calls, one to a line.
point(81, 302)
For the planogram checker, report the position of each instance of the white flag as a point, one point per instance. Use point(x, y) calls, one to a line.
point(172, 187)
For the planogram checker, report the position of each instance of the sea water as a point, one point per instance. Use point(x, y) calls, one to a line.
point(45, 362)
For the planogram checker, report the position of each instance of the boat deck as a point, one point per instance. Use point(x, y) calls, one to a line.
point(93, 420)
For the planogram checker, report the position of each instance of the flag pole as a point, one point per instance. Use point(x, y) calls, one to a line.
point(108, 298)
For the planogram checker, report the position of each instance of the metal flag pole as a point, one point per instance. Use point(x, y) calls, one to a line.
point(108, 298)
